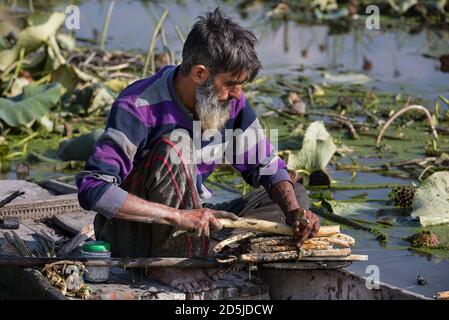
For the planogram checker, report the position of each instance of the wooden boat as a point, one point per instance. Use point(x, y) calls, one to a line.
point(275, 280)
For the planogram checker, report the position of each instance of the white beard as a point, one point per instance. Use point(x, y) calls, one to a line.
point(212, 113)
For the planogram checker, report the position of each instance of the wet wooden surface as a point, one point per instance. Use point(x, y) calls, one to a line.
point(133, 284)
point(129, 284)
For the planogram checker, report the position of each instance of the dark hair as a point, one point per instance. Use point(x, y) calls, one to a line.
point(221, 45)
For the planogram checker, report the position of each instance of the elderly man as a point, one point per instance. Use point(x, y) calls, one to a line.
point(140, 167)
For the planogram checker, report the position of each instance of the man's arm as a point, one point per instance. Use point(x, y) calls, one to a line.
point(305, 223)
point(98, 186)
point(199, 221)
point(271, 171)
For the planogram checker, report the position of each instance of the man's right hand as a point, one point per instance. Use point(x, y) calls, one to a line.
point(202, 221)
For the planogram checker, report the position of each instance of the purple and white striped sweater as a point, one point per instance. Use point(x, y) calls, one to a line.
point(148, 109)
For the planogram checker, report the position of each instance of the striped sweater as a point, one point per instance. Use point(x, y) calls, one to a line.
point(142, 113)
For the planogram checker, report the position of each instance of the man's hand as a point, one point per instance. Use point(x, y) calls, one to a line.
point(305, 224)
point(202, 221)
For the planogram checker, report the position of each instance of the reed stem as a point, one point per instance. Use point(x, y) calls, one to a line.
point(150, 54)
point(104, 32)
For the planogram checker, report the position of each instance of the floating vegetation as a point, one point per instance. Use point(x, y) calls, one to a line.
point(341, 15)
point(56, 91)
point(424, 239)
point(403, 196)
point(316, 152)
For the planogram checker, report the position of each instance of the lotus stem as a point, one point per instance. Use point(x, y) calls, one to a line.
point(166, 47)
point(236, 238)
point(25, 140)
point(180, 34)
point(13, 5)
point(444, 99)
point(249, 224)
point(421, 175)
point(272, 227)
point(104, 32)
point(402, 111)
point(150, 53)
point(164, 38)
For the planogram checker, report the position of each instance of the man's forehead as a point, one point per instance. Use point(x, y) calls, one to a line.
point(234, 76)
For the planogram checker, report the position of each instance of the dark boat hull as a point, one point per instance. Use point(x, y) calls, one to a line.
point(329, 284)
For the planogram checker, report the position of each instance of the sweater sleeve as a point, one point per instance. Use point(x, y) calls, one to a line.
point(253, 155)
point(112, 160)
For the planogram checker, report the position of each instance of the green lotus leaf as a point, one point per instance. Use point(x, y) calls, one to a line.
point(79, 148)
point(32, 104)
point(8, 57)
point(46, 26)
point(316, 152)
point(66, 41)
point(431, 202)
point(31, 38)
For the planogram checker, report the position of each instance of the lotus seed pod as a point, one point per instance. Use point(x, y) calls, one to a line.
point(403, 196)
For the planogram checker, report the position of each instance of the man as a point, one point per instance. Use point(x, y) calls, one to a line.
point(139, 169)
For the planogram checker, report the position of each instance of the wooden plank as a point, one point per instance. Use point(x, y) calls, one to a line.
point(73, 222)
point(234, 285)
point(26, 232)
point(352, 257)
point(150, 262)
point(307, 265)
point(58, 187)
point(33, 192)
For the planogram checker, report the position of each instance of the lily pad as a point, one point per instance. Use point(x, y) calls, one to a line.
point(66, 76)
point(66, 41)
point(33, 104)
point(367, 210)
point(102, 99)
point(431, 203)
point(17, 86)
point(79, 148)
point(334, 15)
point(46, 26)
point(316, 152)
point(403, 6)
point(8, 57)
point(351, 78)
point(436, 49)
point(116, 85)
point(31, 38)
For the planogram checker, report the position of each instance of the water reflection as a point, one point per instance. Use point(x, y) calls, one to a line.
point(394, 58)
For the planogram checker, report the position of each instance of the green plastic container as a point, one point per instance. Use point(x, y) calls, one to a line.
point(96, 246)
point(96, 249)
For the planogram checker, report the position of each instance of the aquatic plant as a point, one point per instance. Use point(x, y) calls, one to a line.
point(424, 239)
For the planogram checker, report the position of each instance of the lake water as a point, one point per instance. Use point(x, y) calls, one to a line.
point(395, 55)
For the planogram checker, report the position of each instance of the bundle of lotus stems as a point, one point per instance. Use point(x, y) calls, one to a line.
point(274, 242)
point(275, 248)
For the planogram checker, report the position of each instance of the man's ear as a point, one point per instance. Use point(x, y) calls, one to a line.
point(199, 74)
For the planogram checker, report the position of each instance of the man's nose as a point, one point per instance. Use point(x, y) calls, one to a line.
point(236, 92)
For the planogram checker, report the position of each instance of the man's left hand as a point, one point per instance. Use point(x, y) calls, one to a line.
point(305, 224)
